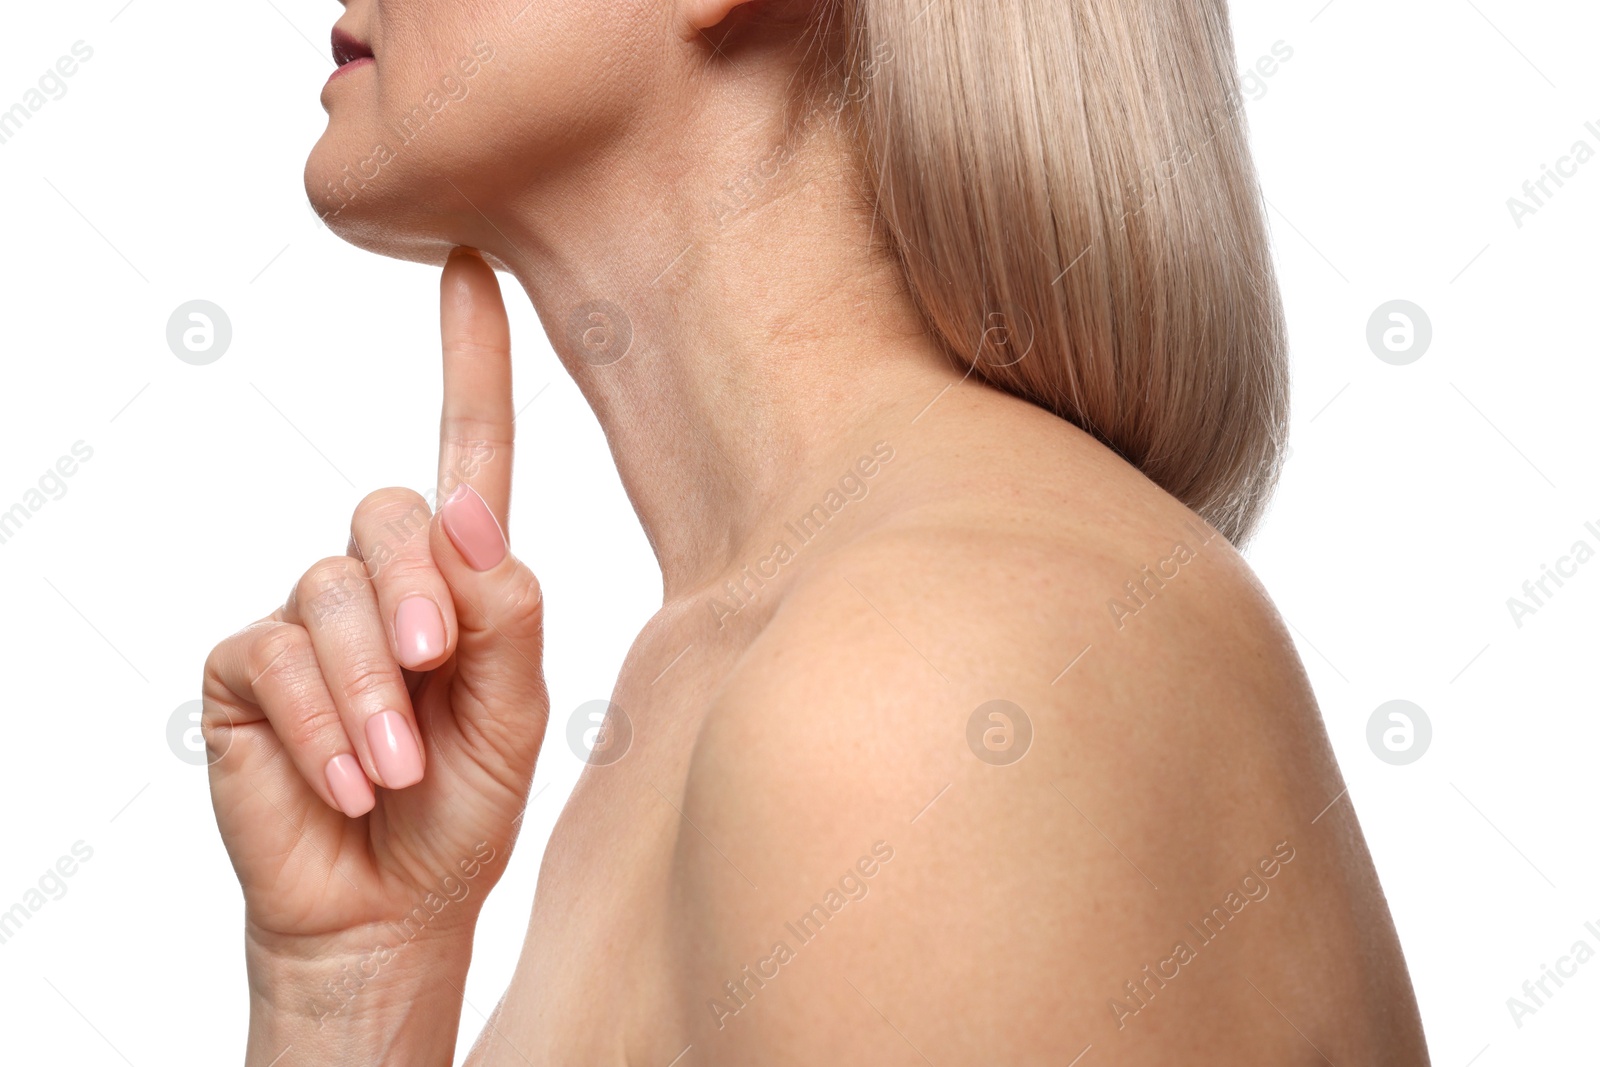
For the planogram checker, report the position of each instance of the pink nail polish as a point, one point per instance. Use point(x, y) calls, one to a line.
point(349, 786)
point(473, 529)
point(418, 630)
point(394, 750)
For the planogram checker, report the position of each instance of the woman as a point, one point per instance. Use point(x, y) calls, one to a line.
point(938, 347)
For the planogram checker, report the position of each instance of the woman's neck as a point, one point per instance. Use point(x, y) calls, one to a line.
point(735, 346)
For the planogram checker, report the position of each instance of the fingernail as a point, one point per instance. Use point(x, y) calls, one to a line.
point(419, 630)
point(473, 529)
point(394, 750)
point(349, 786)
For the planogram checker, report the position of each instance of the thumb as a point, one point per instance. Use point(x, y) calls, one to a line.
point(499, 608)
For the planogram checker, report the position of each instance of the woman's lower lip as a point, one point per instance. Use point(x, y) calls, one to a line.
point(354, 64)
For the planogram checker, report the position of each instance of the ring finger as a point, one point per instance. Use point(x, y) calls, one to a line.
point(269, 670)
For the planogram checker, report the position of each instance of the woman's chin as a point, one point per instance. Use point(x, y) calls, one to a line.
point(372, 217)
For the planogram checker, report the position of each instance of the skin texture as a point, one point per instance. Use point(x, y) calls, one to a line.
point(799, 721)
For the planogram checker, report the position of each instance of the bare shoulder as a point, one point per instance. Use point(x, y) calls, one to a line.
point(998, 782)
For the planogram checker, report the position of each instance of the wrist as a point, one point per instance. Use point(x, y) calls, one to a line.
point(370, 995)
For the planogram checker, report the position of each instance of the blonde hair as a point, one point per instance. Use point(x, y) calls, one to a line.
point(1068, 188)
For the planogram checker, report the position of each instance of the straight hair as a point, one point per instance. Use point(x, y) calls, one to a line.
point(1068, 189)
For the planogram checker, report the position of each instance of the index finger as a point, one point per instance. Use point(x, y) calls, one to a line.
point(477, 425)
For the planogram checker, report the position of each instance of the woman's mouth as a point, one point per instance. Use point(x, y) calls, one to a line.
point(349, 53)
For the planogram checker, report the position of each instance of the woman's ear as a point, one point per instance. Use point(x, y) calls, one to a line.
point(704, 14)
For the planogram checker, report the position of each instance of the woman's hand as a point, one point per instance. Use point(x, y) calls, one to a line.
point(373, 739)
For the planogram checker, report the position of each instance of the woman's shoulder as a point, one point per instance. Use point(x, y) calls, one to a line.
point(1097, 631)
point(1074, 719)
point(1026, 625)
point(1004, 571)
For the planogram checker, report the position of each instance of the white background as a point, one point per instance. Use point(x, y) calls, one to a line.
point(1417, 500)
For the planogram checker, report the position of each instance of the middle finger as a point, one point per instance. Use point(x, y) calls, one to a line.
point(389, 532)
point(335, 602)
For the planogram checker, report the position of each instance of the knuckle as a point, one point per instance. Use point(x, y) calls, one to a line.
point(389, 525)
point(332, 570)
point(471, 452)
point(212, 673)
point(522, 603)
point(216, 732)
point(311, 728)
point(481, 433)
point(384, 503)
point(474, 444)
point(410, 572)
point(327, 585)
point(389, 496)
point(279, 649)
point(227, 651)
point(369, 681)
